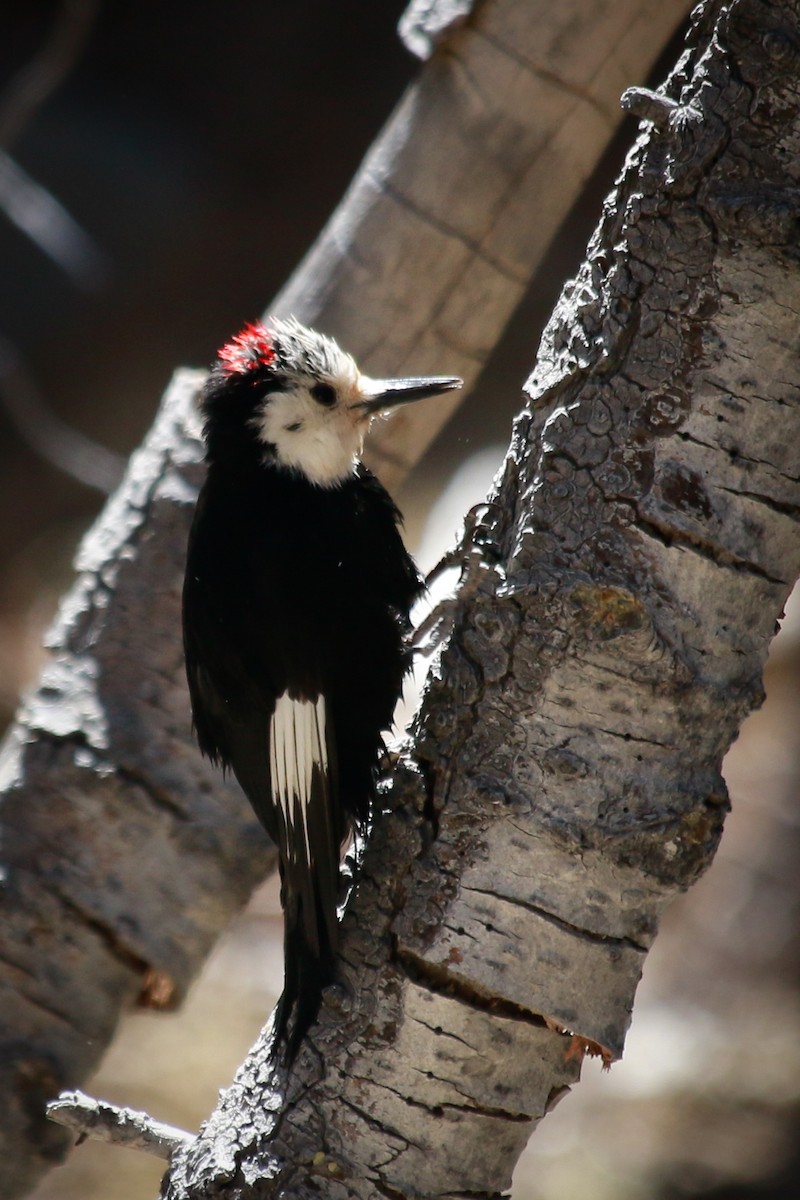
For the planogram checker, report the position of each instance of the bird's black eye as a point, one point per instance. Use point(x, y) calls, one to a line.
point(324, 393)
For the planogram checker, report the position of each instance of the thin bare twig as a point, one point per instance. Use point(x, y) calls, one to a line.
point(49, 436)
point(38, 79)
point(25, 202)
point(35, 211)
point(123, 1126)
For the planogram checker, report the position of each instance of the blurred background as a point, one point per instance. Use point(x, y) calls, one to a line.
point(163, 167)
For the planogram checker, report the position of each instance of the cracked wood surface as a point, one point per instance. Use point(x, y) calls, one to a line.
point(564, 781)
point(122, 855)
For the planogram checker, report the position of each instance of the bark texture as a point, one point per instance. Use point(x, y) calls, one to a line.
point(105, 801)
point(435, 243)
point(564, 781)
point(122, 857)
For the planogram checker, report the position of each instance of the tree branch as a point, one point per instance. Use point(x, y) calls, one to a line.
point(25, 202)
point(435, 243)
point(33, 85)
point(122, 1126)
point(564, 780)
point(123, 855)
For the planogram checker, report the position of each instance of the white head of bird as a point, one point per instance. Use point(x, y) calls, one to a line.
point(303, 398)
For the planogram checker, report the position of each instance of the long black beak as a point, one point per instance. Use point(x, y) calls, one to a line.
point(380, 394)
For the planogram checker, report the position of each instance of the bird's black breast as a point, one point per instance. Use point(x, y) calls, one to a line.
point(294, 587)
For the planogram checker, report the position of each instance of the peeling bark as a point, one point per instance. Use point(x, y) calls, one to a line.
point(563, 784)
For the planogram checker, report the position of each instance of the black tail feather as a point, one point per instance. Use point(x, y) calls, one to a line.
point(310, 896)
point(309, 967)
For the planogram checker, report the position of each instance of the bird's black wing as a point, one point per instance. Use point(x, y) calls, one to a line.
point(257, 661)
point(295, 605)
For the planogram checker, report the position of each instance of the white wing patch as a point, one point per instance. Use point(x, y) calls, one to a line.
point(296, 746)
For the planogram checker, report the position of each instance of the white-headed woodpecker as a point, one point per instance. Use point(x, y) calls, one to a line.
point(295, 614)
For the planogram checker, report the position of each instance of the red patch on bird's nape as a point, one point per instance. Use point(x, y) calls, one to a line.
point(249, 349)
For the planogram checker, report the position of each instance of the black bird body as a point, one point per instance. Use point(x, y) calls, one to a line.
point(296, 606)
point(290, 587)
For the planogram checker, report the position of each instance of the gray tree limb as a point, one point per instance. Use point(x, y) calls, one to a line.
point(123, 1126)
point(563, 784)
point(122, 855)
point(435, 242)
point(425, 23)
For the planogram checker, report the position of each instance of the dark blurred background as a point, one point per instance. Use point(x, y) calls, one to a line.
point(199, 148)
point(169, 184)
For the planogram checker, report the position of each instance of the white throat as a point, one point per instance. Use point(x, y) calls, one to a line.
point(322, 444)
